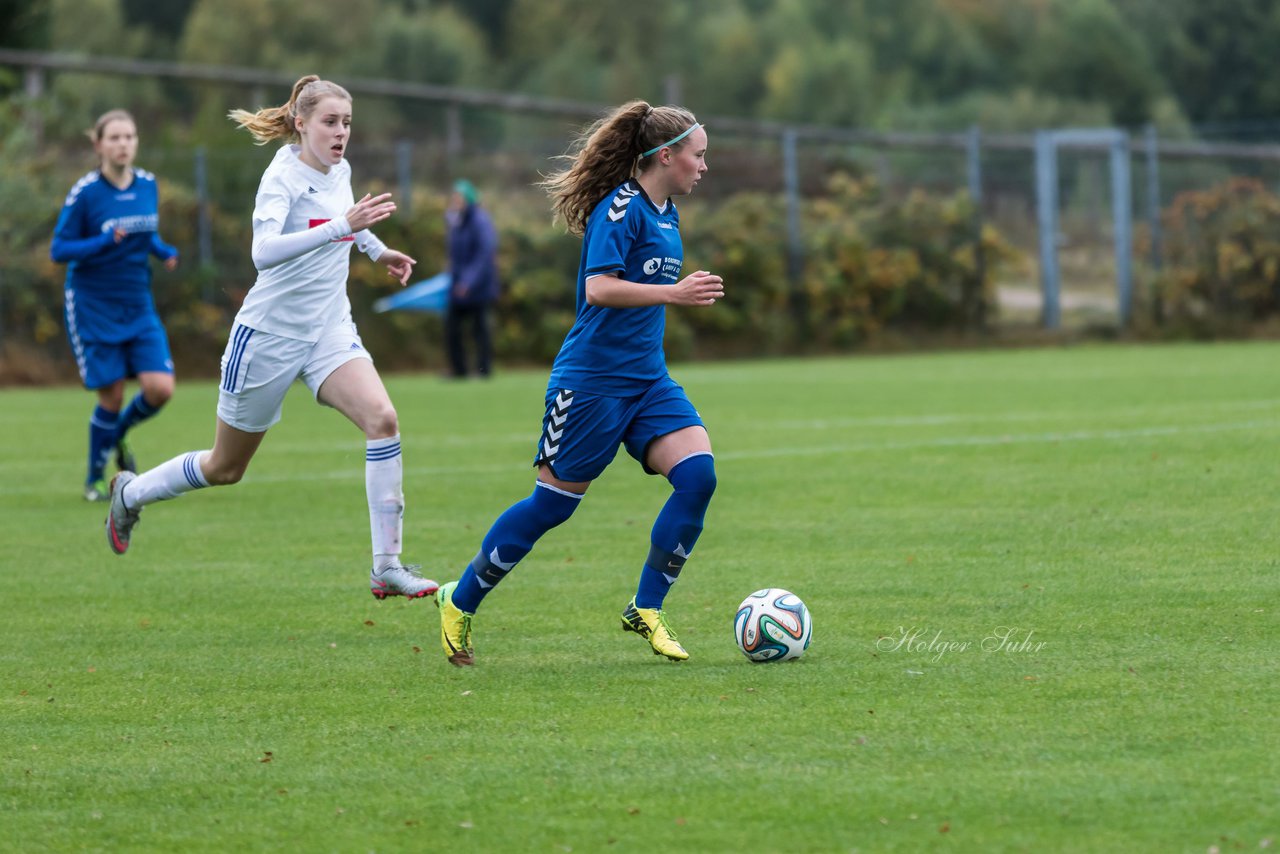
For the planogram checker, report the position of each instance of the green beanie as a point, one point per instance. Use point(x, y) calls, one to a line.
point(467, 190)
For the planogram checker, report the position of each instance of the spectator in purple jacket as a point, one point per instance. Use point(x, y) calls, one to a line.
point(473, 263)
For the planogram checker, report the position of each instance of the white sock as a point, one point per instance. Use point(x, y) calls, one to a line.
point(167, 480)
point(383, 483)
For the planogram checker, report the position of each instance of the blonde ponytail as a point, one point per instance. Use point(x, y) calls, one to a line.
point(272, 123)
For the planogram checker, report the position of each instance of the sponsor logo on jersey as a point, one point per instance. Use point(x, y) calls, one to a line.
point(312, 223)
point(133, 224)
point(652, 266)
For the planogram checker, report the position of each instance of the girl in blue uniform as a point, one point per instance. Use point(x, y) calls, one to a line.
point(609, 385)
point(108, 230)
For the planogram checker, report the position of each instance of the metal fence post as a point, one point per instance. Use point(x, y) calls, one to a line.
point(976, 309)
point(1047, 222)
point(1122, 215)
point(404, 176)
point(1153, 215)
point(33, 88)
point(204, 224)
point(1153, 192)
point(452, 134)
point(791, 184)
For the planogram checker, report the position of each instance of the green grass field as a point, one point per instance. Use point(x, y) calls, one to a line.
point(1045, 587)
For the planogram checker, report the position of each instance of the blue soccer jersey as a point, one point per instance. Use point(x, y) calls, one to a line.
point(101, 272)
point(618, 352)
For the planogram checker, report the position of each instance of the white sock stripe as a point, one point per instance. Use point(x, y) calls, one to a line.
point(575, 495)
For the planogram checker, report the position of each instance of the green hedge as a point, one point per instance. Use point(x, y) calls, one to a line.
point(869, 264)
point(1221, 255)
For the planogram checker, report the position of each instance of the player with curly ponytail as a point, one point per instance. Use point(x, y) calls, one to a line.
point(609, 385)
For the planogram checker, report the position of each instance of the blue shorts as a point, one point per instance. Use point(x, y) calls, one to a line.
point(136, 344)
point(581, 432)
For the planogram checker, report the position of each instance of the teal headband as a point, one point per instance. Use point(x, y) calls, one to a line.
point(691, 129)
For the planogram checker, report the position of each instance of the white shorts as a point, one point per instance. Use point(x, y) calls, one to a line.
point(258, 368)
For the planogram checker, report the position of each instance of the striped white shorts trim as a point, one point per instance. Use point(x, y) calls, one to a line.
point(258, 368)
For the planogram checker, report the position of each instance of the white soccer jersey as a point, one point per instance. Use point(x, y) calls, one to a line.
point(301, 297)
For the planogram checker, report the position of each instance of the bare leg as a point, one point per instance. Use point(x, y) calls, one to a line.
point(356, 390)
point(156, 387)
point(233, 449)
point(670, 449)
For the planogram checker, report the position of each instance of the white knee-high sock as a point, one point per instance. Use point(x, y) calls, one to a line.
point(383, 483)
point(167, 480)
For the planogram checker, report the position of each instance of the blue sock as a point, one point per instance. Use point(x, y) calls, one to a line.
point(510, 539)
point(677, 527)
point(102, 440)
point(137, 410)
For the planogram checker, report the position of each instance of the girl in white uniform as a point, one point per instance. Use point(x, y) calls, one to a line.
point(296, 323)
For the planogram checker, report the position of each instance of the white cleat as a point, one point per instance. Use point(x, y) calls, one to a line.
point(401, 581)
point(120, 519)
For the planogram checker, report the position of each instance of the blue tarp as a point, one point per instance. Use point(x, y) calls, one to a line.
point(430, 295)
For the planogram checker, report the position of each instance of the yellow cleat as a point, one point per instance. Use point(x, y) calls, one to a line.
point(651, 624)
point(455, 628)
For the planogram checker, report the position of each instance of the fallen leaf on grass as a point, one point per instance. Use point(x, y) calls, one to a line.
point(946, 827)
point(266, 757)
point(368, 622)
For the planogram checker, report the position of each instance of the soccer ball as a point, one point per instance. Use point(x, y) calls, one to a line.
point(772, 625)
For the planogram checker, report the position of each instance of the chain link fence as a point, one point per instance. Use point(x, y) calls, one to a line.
point(505, 143)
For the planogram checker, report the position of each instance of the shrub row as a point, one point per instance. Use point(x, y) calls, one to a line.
point(868, 264)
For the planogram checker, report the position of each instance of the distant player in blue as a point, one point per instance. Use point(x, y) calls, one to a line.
point(609, 385)
point(108, 230)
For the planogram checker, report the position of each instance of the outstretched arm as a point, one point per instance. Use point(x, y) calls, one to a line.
point(271, 248)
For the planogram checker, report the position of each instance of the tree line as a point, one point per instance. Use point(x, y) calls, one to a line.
point(904, 64)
